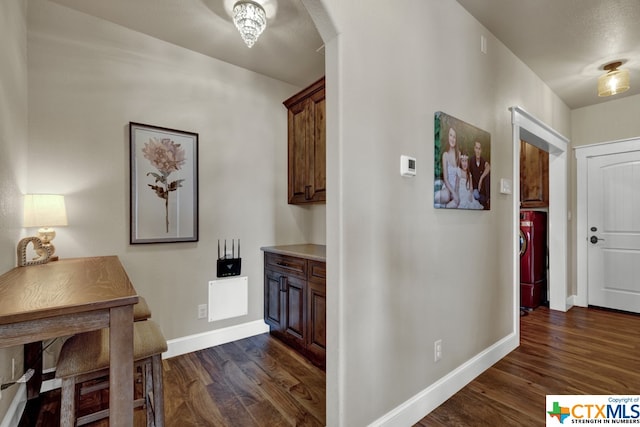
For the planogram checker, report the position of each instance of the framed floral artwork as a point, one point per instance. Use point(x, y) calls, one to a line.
point(164, 184)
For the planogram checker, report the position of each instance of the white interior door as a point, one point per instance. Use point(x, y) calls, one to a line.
point(613, 221)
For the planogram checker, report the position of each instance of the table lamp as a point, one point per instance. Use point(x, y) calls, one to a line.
point(45, 211)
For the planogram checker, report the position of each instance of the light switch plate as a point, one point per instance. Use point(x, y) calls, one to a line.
point(505, 186)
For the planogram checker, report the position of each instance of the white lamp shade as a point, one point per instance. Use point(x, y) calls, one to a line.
point(44, 210)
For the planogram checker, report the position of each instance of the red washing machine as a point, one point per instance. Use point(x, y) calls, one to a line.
point(533, 258)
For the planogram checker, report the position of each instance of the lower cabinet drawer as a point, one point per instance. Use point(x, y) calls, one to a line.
point(317, 271)
point(288, 264)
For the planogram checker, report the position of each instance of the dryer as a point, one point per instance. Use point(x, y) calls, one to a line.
point(533, 258)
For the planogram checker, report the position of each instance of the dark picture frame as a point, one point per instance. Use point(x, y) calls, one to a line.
point(164, 184)
point(462, 165)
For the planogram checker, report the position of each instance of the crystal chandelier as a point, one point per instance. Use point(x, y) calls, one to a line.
point(250, 20)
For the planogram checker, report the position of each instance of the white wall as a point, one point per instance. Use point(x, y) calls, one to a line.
point(13, 154)
point(89, 78)
point(609, 121)
point(399, 268)
point(404, 274)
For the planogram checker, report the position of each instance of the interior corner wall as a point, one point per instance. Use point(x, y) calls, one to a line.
point(408, 274)
point(88, 78)
point(13, 156)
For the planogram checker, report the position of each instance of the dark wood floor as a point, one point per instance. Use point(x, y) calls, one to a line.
point(256, 381)
point(260, 382)
point(252, 382)
point(583, 351)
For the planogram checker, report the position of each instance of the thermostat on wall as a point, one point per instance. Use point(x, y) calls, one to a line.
point(407, 166)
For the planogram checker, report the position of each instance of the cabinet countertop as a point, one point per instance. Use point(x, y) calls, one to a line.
point(308, 251)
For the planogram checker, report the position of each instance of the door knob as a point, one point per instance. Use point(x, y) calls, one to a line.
point(594, 239)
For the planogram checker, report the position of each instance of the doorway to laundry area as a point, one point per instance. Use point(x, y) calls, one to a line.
point(526, 127)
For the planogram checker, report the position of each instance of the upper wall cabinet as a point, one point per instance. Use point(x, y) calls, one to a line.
point(307, 146)
point(534, 176)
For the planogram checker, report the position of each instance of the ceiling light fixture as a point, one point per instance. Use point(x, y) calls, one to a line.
point(615, 81)
point(250, 20)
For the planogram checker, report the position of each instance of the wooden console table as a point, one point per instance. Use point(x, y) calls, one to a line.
point(70, 296)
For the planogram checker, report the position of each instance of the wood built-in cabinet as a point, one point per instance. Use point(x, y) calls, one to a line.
point(534, 176)
point(295, 302)
point(307, 145)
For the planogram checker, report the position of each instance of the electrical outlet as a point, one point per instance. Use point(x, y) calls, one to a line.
point(202, 311)
point(437, 350)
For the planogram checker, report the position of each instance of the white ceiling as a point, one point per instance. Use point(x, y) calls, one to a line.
point(565, 42)
point(290, 49)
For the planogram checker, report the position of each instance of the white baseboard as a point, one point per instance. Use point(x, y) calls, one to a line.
point(196, 342)
point(14, 413)
point(414, 409)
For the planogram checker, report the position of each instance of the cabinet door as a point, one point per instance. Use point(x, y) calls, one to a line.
point(273, 299)
point(317, 172)
point(534, 176)
point(317, 312)
point(317, 321)
point(293, 321)
point(299, 142)
point(307, 145)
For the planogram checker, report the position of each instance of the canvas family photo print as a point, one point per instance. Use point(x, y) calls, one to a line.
point(462, 169)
